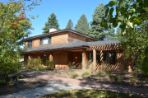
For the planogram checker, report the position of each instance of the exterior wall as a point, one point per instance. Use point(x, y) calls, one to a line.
point(63, 38)
point(75, 59)
point(35, 43)
point(61, 60)
point(59, 39)
point(67, 37)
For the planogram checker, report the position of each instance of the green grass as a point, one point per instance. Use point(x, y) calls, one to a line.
point(89, 94)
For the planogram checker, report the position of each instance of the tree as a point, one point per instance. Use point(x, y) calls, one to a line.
point(130, 17)
point(13, 27)
point(126, 13)
point(52, 23)
point(69, 24)
point(82, 25)
point(97, 30)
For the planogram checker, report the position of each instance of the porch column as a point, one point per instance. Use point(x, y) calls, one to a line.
point(50, 57)
point(119, 56)
point(84, 59)
point(29, 57)
point(101, 59)
point(94, 60)
point(130, 69)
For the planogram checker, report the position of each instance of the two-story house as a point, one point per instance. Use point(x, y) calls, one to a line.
point(71, 48)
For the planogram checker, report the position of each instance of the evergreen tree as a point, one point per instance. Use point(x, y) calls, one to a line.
point(82, 25)
point(69, 24)
point(52, 23)
point(97, 30)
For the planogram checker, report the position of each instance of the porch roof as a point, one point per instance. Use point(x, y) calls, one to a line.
point(76, 44)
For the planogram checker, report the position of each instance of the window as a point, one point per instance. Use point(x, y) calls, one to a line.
point(30, 44)
point(45, 41)
point(110, 57)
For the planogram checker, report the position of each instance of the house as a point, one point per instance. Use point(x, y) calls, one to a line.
point(70, 48)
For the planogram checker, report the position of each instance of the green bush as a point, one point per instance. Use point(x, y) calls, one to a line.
point(144, 67)
point(86, 74)
point(74, 75)
point(50, 65)
point(8, 66)
point(35, 64)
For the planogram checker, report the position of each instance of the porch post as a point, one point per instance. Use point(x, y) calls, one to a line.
point(84, 59)
point(130, 69)
point(29, 57)
point(101, 59)
point(94, 60)
point(50, 57)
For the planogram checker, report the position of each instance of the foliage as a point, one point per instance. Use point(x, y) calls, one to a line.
point(35, 64)
point(69, 25)
point(74, 75)
point(50, 65)
point(89, 94)
point(97, 30)
point(13, 27)
point(126, 13)
point(130, 17)
point(86, 74)
point(52, 23)
point(144, 66)
point(82, 25)
point(135, 43)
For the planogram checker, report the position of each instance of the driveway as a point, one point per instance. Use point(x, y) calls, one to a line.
point(54, 84)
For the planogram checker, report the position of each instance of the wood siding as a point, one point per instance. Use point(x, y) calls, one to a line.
point(59, 39)
point(35, 43)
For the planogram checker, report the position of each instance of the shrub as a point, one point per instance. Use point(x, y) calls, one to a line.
point(50, 65)
point(74, 75)
point(6, 68)
point(86, 74)
point(144, 67)
point(35, 64)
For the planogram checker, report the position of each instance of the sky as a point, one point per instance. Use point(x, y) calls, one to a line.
point(64, 10)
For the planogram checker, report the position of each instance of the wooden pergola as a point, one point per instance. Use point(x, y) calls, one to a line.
point(101, 48)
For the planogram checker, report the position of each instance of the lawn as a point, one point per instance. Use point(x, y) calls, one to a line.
point(89, 94)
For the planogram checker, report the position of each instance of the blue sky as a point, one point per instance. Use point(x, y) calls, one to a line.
point(64, 10)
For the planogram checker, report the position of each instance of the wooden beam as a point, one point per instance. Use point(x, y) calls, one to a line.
point(84, 59)
point(94, 60)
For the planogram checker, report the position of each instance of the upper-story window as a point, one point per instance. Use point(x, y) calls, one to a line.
point(29, 44)
point(45, 41)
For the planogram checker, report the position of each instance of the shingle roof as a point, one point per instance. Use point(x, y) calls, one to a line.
point(72, 31)
point(74, 44)
point(37, 36)
point(56, 32)
point(105, 42)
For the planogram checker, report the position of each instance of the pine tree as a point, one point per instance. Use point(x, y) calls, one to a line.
point(97, 30)
point(69, 24)
point(82, 25)
point(52, 23)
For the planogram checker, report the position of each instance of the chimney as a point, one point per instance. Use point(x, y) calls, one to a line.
point(52, 30)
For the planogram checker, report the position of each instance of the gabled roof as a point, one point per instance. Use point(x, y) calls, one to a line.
point(57, 32)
